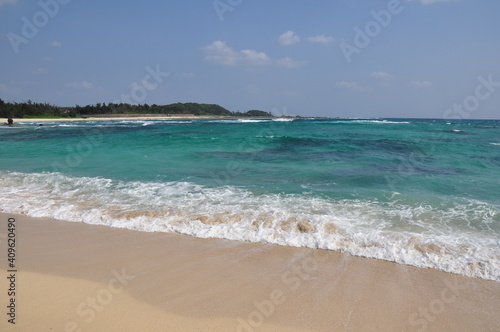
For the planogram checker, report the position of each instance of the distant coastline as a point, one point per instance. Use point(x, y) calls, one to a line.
point(122, 117)
point(189, 110)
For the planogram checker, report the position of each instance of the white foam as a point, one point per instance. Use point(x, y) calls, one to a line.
point(422, 236)
point(175, 121)
point(68, 125)
point(251, 120)
point(283, 120)
point(383, 121)
point(371, 121)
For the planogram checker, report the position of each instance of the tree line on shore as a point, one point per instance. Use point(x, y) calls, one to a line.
point(30, 109)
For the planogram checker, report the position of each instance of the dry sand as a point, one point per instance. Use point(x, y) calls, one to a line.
point(78, 277)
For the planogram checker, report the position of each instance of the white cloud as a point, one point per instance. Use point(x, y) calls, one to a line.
point(289, 63)
point(55, 43)
point(346, 85)
point(321, 39)
point(220, 53)
point(381, 75)
point(10, 2)
point(40, 71)
point(255, 58)
point(80, 85)
point(422, 84)
point(288, 38)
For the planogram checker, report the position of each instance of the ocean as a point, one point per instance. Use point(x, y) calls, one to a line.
point(412, 191)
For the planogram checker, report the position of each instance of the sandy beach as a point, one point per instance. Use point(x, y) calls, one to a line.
point(78, 277)
point(4, 120)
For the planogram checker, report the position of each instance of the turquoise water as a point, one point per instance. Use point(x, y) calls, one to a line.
point(419, 192)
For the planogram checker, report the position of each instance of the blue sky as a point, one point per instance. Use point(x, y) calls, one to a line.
point(346, 58)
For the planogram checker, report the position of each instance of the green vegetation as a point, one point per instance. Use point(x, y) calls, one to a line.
point(32, 110)
point(255, 113)
point(39, 110)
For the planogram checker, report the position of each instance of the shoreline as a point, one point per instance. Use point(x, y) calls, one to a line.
point(152, 281)
point(4, 120)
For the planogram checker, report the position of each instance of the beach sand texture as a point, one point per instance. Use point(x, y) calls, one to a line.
point(79, 277)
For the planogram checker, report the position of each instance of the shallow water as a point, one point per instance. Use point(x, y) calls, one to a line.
point(419, 192)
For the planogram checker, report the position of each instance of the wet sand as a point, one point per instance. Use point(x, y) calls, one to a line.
point(78, 277)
